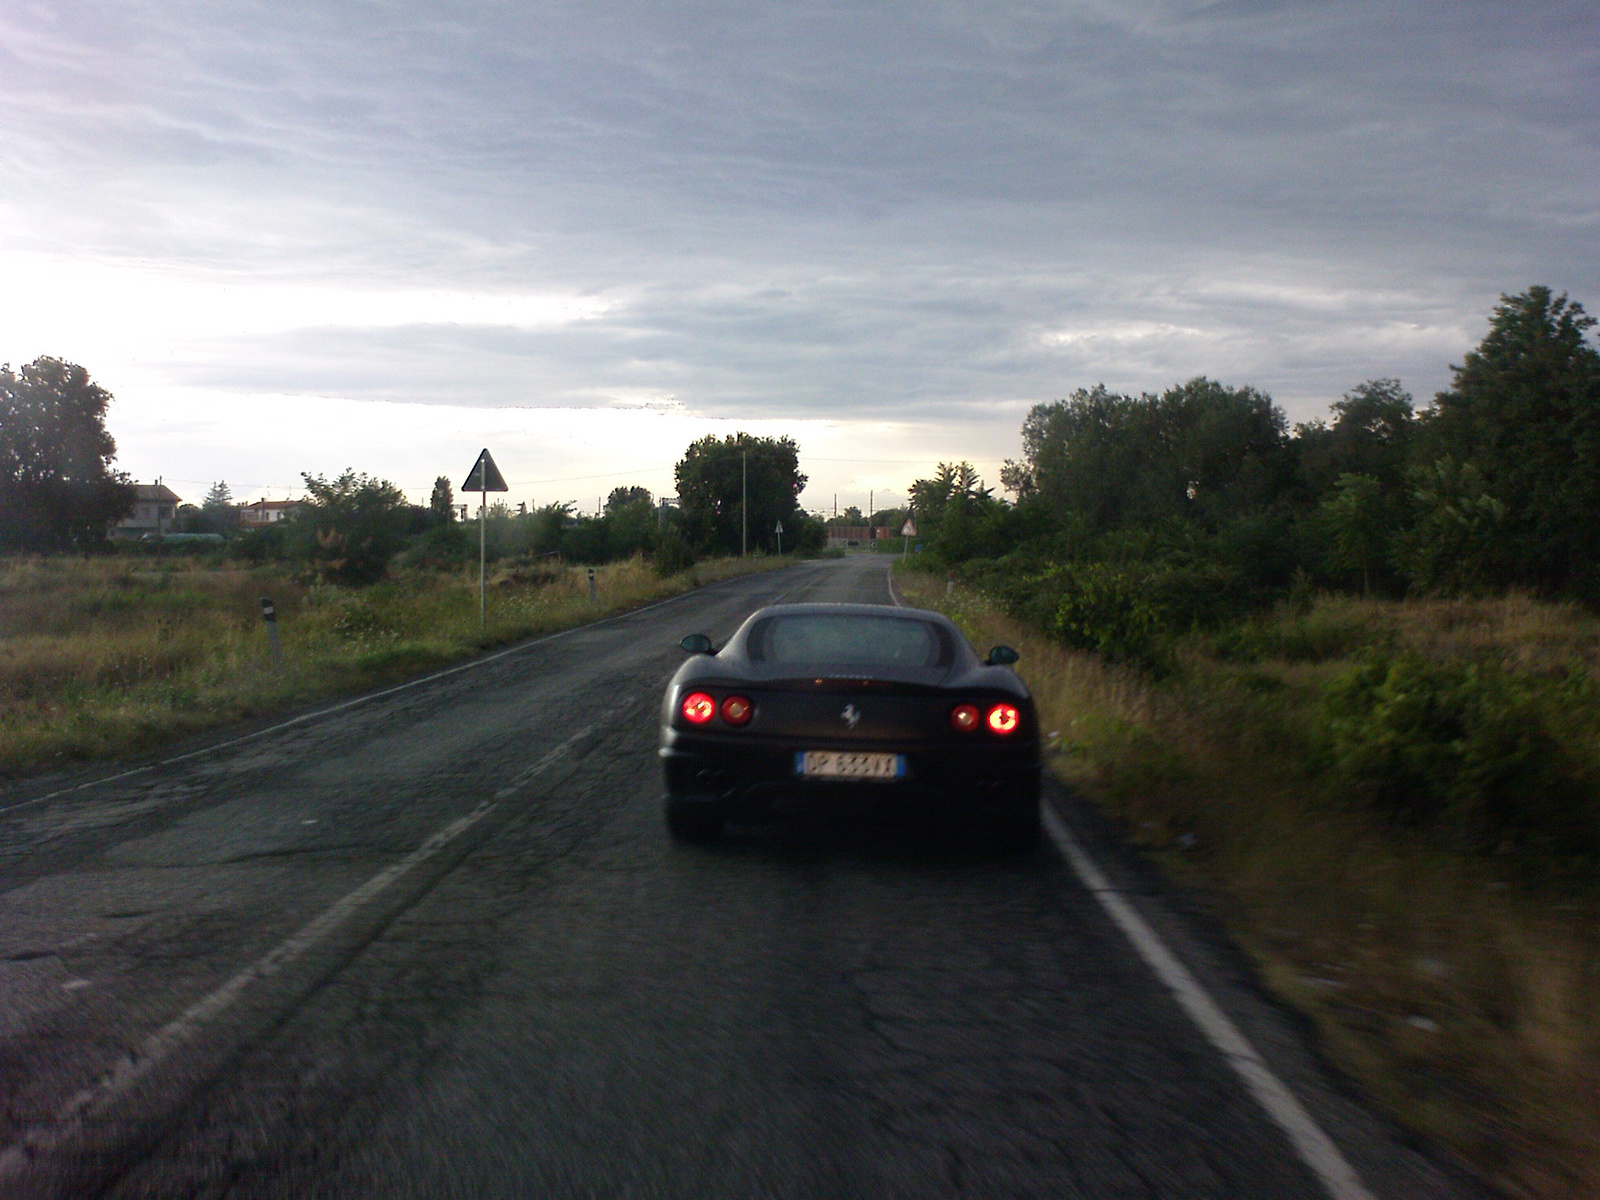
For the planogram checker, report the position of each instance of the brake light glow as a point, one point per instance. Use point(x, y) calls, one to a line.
point(736, 710)
point(964, 717)
point(698, 708)
point(1004, 718)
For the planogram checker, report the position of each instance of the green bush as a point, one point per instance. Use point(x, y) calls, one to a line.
point(672, 554)
point(1128, 612)
point(267, 544)
point(1496, 758)
point(1106, 608)
point(1311, 637)
point(349, 527)
point(442, 548)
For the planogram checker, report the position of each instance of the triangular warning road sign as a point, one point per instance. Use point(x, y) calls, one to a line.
point(908, 529)
point(485, 476)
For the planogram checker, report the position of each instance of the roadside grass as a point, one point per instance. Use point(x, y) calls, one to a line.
point(1461, 991)
point(115, 656)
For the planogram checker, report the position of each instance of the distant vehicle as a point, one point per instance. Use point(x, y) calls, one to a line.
point(854, 705)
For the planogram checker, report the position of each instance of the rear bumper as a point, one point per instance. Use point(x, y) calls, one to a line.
point(762, 776)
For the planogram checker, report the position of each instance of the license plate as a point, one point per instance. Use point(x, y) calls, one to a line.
point(842, 764)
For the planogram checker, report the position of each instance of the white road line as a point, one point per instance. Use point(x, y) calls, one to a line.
point(1315, 1148)
point(893, 595)
point(340, 707)
point(190, 1025)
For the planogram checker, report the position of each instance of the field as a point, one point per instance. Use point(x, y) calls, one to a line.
point(115, 656)
point(1460, 990)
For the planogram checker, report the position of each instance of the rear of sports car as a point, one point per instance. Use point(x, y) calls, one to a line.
point(734, 746)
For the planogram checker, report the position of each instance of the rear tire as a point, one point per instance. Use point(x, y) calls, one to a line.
point(696, 821)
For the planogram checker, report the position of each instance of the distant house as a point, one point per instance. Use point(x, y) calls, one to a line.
point(266, 512)
point(844, 536)
point(154, 510)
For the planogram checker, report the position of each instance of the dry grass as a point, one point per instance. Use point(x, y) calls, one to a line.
point(109, 657)
point(1462, 992)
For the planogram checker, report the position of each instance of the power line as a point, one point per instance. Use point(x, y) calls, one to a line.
point(572, 478)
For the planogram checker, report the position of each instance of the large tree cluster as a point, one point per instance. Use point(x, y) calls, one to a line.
point(1496, 484)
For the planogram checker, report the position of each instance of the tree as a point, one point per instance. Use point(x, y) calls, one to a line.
point(442, 503)
point(57, 488)
point(1360, 524)
point(622, 497)
point(1371, 435)
point(351, 526)
point(1458, 535)
point(1080, 455)
point(952, 483)
point(709, 490)
point(1525, 412)
point(1199, 452)
point(1018, 477)
point(548, 528)
point(506, 533)
point(955, 513)
point(217, 513)
point(632, 522)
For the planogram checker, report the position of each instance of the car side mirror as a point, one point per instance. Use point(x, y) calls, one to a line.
point(697, 643)
point(1002, 656)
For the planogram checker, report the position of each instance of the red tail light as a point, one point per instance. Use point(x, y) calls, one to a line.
point(698, 708)
point(964, 717)
point(736, 710)
point(1004, 718)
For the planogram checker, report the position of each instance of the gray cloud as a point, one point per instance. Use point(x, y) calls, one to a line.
point(939, 212)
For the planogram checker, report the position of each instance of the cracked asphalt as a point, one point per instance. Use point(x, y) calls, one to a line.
point(566, 1003)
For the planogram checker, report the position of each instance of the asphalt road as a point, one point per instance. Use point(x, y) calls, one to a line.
point(438, 944)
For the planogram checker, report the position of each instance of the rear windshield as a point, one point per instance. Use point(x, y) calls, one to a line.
point(804, 639)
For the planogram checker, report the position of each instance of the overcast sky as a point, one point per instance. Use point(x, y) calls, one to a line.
point(302, 235)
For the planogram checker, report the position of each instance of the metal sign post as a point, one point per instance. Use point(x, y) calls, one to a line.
point(907, 532)
point(484, 478)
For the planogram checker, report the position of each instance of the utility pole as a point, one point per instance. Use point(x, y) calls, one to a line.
point(744, 504)
point(872, 534)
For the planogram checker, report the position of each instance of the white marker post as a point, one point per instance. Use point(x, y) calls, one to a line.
point(269, 614)
point(779, 532)
point(484, 478)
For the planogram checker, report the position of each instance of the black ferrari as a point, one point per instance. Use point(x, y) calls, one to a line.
point(853, 705)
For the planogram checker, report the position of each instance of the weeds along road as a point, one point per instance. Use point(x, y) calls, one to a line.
point(438, 944)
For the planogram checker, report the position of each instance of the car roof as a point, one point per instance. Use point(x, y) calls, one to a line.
point(865, 610)
point(814, 608)
point(962, 655)
point(964, 665)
